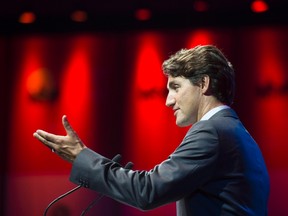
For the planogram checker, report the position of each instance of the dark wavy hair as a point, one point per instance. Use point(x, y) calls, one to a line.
point(201, 61)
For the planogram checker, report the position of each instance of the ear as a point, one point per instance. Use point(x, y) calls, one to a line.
point(205, 84)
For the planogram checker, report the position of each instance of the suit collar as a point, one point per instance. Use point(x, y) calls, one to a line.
point(229, 112)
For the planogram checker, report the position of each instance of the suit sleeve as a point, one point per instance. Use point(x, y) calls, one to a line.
point(186, 169)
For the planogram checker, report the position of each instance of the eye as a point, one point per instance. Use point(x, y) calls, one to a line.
point(176, 87)
point(173, 86)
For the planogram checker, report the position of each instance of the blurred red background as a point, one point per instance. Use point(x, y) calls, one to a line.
point(113, 91)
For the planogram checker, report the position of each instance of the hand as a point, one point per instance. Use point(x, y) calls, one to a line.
point(67, 147)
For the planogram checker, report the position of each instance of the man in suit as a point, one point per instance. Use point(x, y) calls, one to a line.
point(217, 169)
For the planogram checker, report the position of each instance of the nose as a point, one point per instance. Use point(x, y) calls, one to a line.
point(170, 100)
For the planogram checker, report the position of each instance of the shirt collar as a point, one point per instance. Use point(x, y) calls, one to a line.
point(213, 111)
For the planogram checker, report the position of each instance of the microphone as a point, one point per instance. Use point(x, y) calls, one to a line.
point(60, 197)
point(129, 165)
point(116, 159)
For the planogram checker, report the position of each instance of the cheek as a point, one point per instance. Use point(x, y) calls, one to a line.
point(186, 99)
point(189, 104)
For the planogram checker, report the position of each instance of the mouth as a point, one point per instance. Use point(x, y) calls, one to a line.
point(175, 112)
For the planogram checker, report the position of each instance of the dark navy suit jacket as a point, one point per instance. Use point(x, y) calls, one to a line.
point(218, 169)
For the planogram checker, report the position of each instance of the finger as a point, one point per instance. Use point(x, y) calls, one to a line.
point(49, 144)
point(49, 136)
point(69, 130)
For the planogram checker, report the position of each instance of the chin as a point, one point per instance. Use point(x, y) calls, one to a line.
point(183, 123)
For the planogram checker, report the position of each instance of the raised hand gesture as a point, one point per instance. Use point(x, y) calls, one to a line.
point(67, 147)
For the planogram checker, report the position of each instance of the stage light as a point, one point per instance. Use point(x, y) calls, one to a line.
point(40, 85)
point(79, 16)
point(27, 17)
point(259, 6)
point(143, 14)
point(200, 6)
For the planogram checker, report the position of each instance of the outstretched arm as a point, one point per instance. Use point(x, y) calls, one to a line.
point(67, 147)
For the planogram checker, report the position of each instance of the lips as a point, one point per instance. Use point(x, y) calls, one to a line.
point(175, 112)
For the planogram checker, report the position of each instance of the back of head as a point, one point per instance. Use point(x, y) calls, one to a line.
point(200, 61)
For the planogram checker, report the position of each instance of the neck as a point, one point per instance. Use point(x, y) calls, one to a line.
point(207, 105)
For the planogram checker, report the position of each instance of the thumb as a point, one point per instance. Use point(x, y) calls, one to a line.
point(69, 130)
